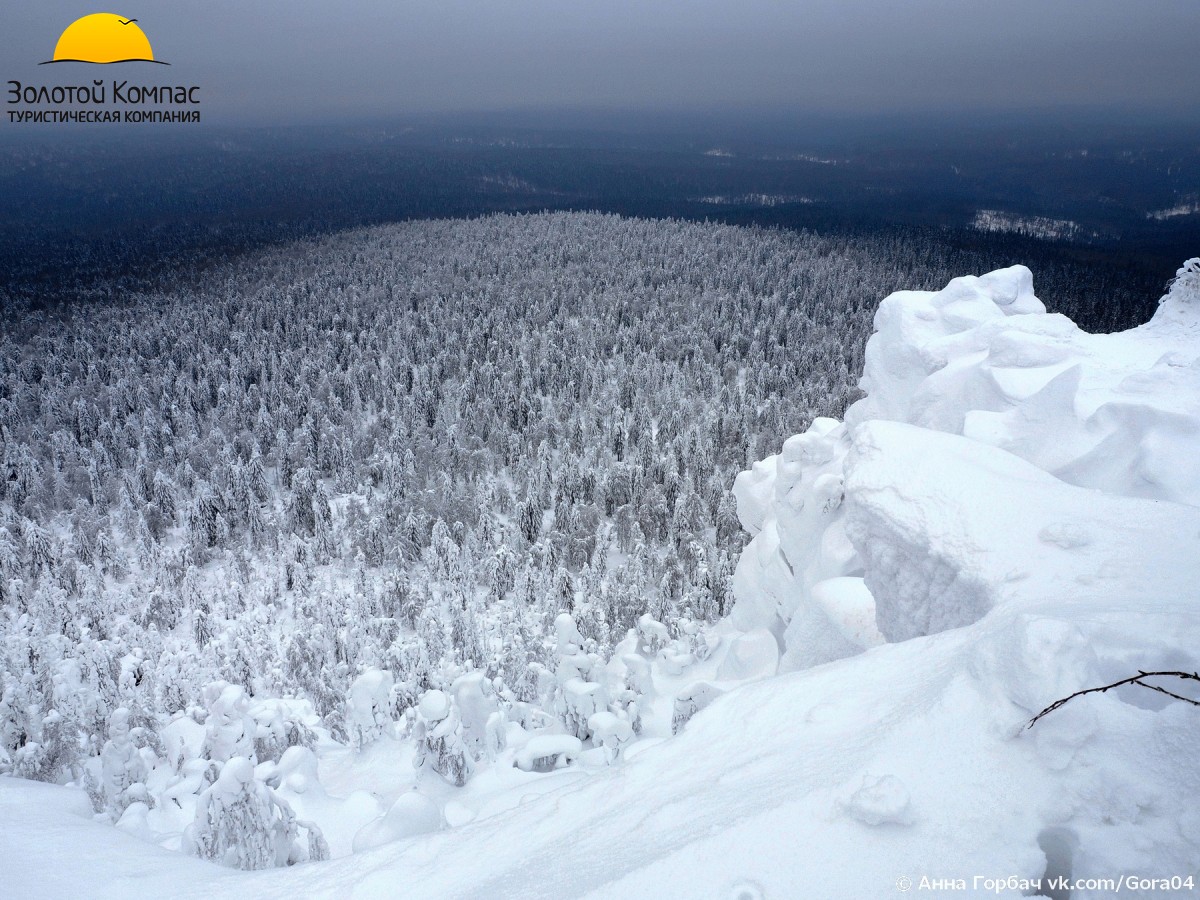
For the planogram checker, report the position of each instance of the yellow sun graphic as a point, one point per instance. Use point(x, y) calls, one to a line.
point(103, 38)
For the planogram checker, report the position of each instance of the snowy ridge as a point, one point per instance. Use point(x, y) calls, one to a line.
point(1119, 413)
point(981, 358)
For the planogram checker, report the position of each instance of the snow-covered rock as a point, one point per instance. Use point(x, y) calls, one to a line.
point(1004, 407)
point(1117, 412)
point(949, 528)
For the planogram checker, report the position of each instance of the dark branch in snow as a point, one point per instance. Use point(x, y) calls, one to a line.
point(1135, 679)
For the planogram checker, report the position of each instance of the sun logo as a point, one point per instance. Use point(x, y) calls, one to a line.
point(103, 38)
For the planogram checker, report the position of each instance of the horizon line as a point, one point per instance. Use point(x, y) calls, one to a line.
point(98, 62)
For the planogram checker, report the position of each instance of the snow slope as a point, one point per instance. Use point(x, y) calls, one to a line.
point(1013, 507)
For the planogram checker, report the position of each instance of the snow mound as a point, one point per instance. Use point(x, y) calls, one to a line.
point(1005, 407)
point(546, 752)
point(881, 801)
point(754, 654)
point(412, 814)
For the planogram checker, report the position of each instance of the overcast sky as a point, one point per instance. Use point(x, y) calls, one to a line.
point(280, 61)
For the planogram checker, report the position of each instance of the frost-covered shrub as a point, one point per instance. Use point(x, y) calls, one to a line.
point(318, 847)
point(580, 700)
point(568, 640)
point(547, 752)
point(276, 732)
point(690, 701)
point(368, 707)
point(438, 735)
point(652, 635)
point(611, 731)
point(122, 769)
point(163, 610)
point(482, 720)
point(577, 696)
point(243, 824)
point(229, 730)
point(44, 746)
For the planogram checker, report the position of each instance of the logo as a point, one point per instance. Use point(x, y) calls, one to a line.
point(103, 38)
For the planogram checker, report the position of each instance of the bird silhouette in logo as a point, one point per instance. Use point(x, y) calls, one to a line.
point(104, 38)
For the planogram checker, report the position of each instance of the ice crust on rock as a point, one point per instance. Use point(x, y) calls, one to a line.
point(1111, 411)
point(1003, 403)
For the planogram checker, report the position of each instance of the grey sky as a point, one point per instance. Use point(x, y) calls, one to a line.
point(281, 61)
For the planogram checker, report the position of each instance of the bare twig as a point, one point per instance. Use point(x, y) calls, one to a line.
point(1135, 679)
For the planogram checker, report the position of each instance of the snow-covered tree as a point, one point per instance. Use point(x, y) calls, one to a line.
point(243, 824)
point(368, 707)
point(122, 769)
point(229, 730)
point(439, 738)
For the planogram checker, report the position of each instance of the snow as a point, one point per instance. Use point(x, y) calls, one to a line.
point(411, 815)
point(1043, 227)
point(1010, 515)
point(752, 654)
point(548, 751)
point(881, 801)
point(434, 706)
point(367, 703)
point(850, 606)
